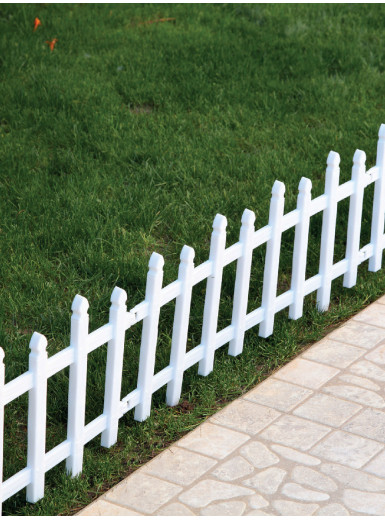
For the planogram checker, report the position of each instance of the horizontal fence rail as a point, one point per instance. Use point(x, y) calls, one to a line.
point(82, 342)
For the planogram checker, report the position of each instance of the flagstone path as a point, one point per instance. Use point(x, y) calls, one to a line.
point(309, 440)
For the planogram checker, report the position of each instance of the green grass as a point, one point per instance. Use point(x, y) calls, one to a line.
point(128, 138)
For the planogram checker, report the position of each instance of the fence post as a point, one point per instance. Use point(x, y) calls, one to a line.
point(355, 216)
point(2, 382)
point(300, 248)
point(77, 384)
point(242, 283)
point(180, 327)
point(37, 416)
point(328, 230)
point(114, 367)
point(149, 336)
point(273, 249)
point(377, 234)
point(213, 294)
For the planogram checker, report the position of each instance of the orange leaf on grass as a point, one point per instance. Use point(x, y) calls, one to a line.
point(36, 24)
point(51, 43)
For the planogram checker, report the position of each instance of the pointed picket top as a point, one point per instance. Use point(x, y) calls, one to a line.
point(220, 222)
point(305, 185)
point(118, 296)
point(248, 218)
point(156, 262)
point(278, 189)
point(1, 355)
point(333, 159)
point(187, 255)
point(80, 305)
point(359, 158)
point(38, 343)
point(381, 132)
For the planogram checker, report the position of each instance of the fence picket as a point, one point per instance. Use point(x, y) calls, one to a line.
point(354, 219)
point(273, 248)
point(300, 248)
point(114, 366)
point(2, 381)
point(377, 233)
point(213, 294)
point(37, 412)
point(149, 337)
point(77, 384)
point(242, 283)
point(328, 230)
point(180, 326)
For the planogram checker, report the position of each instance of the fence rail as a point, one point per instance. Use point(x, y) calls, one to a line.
point(82, 342)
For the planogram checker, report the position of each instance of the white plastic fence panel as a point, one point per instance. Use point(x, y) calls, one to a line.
point(37, 413)
point(242, 283)
point(300, 248)
point(213, 294)
point(180, 326)
point(77, 384)
point(377, 234)
point(354, 220)
point(273, 249)
point(149, 337)
point(114, 366)
point(328, 230)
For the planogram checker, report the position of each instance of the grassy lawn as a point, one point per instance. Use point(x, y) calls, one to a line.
point(128, 138)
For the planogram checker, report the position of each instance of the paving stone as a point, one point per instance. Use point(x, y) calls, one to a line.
point(372, 315)
point(363, 502)
point(346, 448)
point(233, 469)
point(179, 466)
point(306, 373)
point(259, 456)
point(290, 508)
point(377, 355)
point(215, 441)
point(333, 353)
point(381, 300)
point(358, 334)
point(235, 508)
point(368, 369)
point(175, 509)
point(257, 512)
point(257, 501)
point(278, 394)
point(353, 478)
point(103, 508)
point(295, 432)
point(377, 466)
point(267, 481)
point(360, 381)
point(333, 509)
point(369, 423)
point(298, 492)
point(327, 410)
point(143, 492)
point(315, 479)
point(296, 456)
point(356, 394)
point(245, 416)
point(206, 491)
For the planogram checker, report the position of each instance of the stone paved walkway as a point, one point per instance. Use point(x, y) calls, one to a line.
point(309, 440)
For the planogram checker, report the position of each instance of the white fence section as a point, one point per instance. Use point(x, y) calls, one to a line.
point(83, 342)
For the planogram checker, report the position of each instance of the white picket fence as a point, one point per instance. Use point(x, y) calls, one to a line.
point(82, 342)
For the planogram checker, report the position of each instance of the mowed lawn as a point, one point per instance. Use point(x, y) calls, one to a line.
point(128, 138)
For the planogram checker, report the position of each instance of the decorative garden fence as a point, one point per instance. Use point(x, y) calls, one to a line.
point(82, 342)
